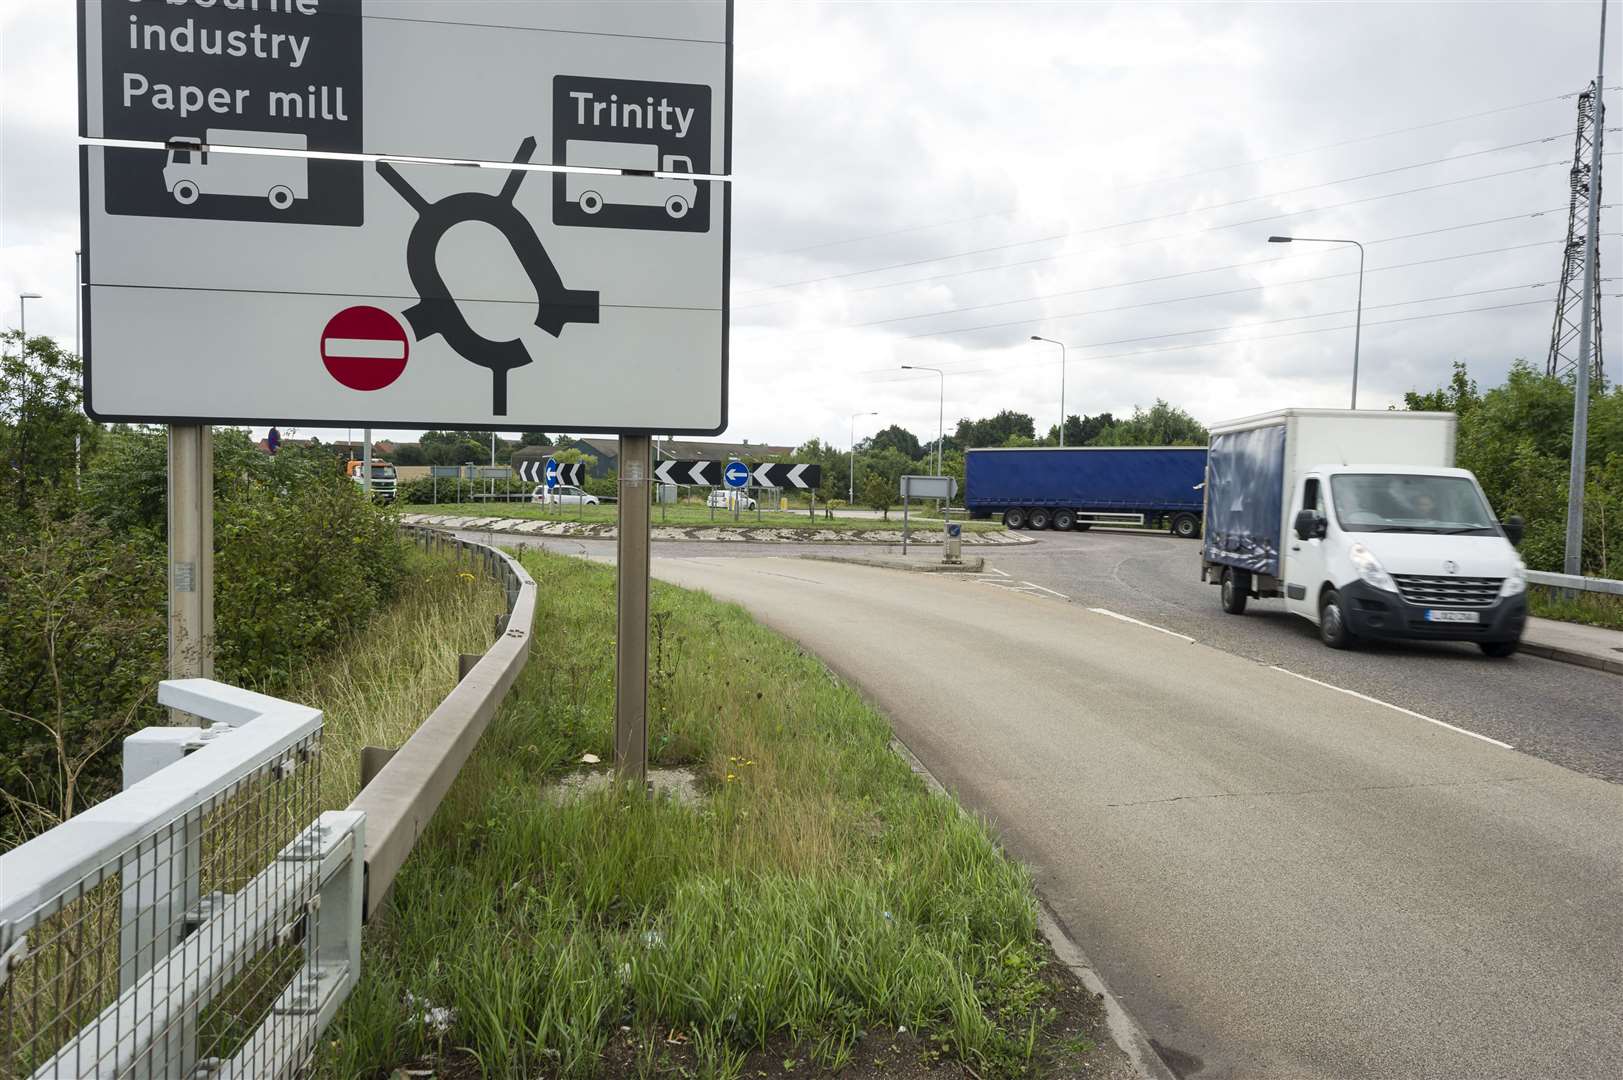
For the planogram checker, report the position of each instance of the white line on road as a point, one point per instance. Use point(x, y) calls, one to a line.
point(1051, 592)
point(1389, 705)
point(1140, 622)
point(995, 570)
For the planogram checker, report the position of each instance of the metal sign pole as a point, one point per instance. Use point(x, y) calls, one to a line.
point(191, 553)
point(907, 499)
point(366, 462)
point(631, 627)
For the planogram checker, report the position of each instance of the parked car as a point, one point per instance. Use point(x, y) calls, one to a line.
point(564, 495)
point(725, 499)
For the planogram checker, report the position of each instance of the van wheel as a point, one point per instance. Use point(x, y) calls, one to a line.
point(1014, 518)
point(185, 193)
point(1186, 526)
point(1333, 622)
point(1498, 648)
point(1236, 590)
point(590, 202)
point(676, 206)
point(1064, 520)
point(1038, 518)
point(281, 197)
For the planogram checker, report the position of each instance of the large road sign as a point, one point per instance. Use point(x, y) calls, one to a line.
point(221, 285)
point(786, 475)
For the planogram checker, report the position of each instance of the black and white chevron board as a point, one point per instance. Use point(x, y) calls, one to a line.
point(784, 475)
point(551, 472)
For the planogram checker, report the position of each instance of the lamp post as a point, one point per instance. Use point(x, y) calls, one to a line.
point(1061, 344)
point(851, 489)
point(1358, 321)
point(22, 316)
point(941, 411)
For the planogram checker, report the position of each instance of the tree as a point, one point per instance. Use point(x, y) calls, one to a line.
point(895, 437)
point(1162, 425)
point(1459, 396)
point(994, 431)
point(535, 438)
point(40, 415)
point(877, 494)
point(836, 464)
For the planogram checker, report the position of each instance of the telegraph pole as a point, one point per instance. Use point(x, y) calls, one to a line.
point(1573, 563)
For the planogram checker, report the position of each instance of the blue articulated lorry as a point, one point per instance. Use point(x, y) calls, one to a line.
point(1077, 488)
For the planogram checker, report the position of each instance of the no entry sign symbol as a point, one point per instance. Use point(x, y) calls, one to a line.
point(364, 348)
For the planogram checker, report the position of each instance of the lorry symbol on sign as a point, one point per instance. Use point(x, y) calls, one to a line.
point(190, 170)
point(590, 191)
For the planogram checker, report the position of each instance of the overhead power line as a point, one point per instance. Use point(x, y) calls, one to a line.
point(1281, 319)
point(1188, 273)
point(1160, 181)
point(1157, 239)
point(1060, 256)
point(1238, 341)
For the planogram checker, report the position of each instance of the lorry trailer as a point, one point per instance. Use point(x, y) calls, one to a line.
point(1079, 487)
point(1362, 523)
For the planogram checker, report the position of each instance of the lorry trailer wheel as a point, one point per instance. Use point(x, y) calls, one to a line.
point(1038, 518)
point(1498, 648)
point(676, 206)
point(1014, 518)
point(591, 202)
point(281, 197)
point(1186, 526)
point(185, 193)
point(1064, 520)
point(1236, 590)
point(1332, 622)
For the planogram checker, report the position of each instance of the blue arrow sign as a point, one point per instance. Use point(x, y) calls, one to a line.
point(552, 472)
point(737, 474)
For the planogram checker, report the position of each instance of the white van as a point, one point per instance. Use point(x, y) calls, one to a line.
point(1361, 522)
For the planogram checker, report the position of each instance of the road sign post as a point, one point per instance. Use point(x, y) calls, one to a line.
point(631, 623)
point(191, 552)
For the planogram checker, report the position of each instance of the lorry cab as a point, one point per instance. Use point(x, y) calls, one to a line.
point(1395, 551)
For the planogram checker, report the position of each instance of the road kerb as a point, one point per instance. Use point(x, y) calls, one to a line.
point(1570, 656)
point(1129, 1036)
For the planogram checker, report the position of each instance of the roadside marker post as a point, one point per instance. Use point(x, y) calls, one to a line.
point(631, 625)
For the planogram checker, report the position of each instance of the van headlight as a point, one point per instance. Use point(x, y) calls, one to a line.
point(1515, 584)
point(1369, 568)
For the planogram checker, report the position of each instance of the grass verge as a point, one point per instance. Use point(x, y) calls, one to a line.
point(688, 516)
point(815, 907)
point(377, 688)
point(1590, 608)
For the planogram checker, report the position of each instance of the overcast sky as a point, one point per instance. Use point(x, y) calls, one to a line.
point(932, 183)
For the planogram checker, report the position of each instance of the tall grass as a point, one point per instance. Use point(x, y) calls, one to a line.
point(1591, 608)
point(817, 891)
point(378, 687)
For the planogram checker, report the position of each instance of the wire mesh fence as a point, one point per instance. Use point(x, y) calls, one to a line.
point(166, 957)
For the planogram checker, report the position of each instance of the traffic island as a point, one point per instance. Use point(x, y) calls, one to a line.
point(719, 532)
point(926, 563)
point(817, 911)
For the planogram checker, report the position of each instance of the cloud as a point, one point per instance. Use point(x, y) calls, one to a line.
point(1015, 151)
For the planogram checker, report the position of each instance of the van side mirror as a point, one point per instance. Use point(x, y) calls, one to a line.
point(1515, 528)
point(1310, 525)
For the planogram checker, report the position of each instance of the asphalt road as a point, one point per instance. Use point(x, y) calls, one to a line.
point(1570, 715)
point(1278, 879)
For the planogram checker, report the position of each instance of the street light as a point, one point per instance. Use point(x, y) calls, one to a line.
point(1358, 321)
point(22, 316)
point(851, 490)
point(941, 411)
point(1061, 344)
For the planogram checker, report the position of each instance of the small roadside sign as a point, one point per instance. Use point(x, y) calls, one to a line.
point(736, 474)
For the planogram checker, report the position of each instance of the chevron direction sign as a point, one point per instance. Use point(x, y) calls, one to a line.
point(786, 475)
point(550, 471)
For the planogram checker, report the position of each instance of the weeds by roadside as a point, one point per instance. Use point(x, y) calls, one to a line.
point(1591, 609)
point(815, 897)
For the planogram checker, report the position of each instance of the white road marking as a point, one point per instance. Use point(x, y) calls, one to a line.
point(995, 570)
point(1051, 592)
point(1389, 705)
point(1140, 622)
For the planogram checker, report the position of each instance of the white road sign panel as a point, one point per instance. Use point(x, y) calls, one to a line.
point(420, 78)
point(235, 287)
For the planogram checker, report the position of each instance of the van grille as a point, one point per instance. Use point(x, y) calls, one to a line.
point(1449, 591)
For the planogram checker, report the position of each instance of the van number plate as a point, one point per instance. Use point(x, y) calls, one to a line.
point(1454, 616)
